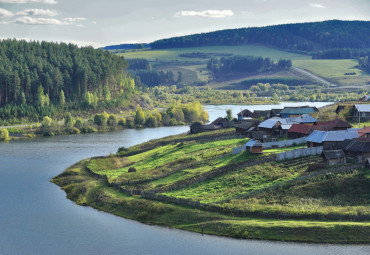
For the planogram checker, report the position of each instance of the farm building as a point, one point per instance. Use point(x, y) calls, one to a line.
point(289, 112)
point(223, 123)
point(361, 112)
point(245, 127)
point(254, 146)
point(358, 149)
point(329, 139)
point(299, 130)
point(333, 157)
point(196, 128)
point(332, 125)
point(245, 115)
point(272, 126)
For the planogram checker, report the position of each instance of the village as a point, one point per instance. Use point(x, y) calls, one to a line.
point(336, 140)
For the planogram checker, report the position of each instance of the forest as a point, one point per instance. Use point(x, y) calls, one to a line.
point(39, 78)
point(300, 37)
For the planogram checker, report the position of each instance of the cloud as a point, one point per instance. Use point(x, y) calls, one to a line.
point(29, 1)
point(317, 6)
point(207, 13)
point(40, 21)
point(75, 19)
point(38, 12)
point(5, 13)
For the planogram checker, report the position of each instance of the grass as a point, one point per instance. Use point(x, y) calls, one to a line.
point(334, 69)
point(247, 50)
point(87, 190)
point(242, 181)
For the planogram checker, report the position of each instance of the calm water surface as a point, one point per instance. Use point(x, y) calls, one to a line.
point(36, 217)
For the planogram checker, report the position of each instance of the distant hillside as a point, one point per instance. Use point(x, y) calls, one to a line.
point(126, 46)
point(305, 37)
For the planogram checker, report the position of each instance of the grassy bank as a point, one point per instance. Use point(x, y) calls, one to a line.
point(196, 184)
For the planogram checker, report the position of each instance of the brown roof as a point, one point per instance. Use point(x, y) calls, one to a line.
point(246, 113)
point(300, 128)
point(337, 123)
point(364, 131)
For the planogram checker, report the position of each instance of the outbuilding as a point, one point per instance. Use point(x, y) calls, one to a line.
point(334, 157)
point(254, 146)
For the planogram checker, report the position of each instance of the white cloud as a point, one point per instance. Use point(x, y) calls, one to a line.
point(5, 13)
point(75, 19)
point(38, 12)
point(94, 22)
point(40, 21)
point(29, 1)
point(207, 13)
point(317, 6)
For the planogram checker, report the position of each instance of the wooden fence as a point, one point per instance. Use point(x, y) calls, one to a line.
point(299, 153)
point(286, 143)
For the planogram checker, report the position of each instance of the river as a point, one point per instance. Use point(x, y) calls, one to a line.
point(36, 217)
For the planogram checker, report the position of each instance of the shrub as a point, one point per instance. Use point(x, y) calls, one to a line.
point(122, 122)
point(132, 169)
point(72, 130)
point(123, 148)
point(78, 123)
point(4, 134)
point(112, 120)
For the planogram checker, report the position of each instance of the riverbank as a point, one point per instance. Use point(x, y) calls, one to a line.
point(105, 183)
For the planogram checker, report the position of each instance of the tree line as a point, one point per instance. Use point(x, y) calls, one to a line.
point(344, 53)
point(306, 37)
point(246, 64)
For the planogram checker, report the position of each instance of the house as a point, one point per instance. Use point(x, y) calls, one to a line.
point(337, 124)
point(299, 130)
point(271, 126)
point(289, 112)
point(245, 115)
point(305, 119)
point(329, 139)
point(260, 136)
point(262, 114)
point(364, 132)
point(244, 127)
point(361, 112)
point(254, 146)
point(334, 157)
point(196, 128)
point(275, 112)
point(223, 123)
point(357, 149)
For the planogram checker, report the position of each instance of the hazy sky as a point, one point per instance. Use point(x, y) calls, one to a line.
point(101, 23)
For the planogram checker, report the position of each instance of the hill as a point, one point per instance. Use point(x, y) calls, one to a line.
point(304, 37)
point(193, 182)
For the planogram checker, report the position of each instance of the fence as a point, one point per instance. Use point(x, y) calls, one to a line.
point(299, 153)
point(285, 143)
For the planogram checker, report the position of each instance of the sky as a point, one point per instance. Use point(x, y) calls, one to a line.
point(101, 23)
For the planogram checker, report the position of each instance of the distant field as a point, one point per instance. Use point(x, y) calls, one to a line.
point(250, 50)
point(334, 69)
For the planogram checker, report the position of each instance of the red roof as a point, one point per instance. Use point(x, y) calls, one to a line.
point(300, 128)
point(364, 131)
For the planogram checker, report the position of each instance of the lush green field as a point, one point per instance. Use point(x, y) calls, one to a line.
point(87, 190)
point(335, 69)
point(247, 50)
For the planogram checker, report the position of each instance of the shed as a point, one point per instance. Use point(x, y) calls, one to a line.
point(361, 112)
point(254, 146)
point(357, 149)
point(334, 157)
point(196, 127)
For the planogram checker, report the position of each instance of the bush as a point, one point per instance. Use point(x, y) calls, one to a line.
point(101, 119)
point(72, 130)
point(123, 148)
point(122, 122)
point(4, 134)
point(132, 169)
point(112, 120)
point(78, 123)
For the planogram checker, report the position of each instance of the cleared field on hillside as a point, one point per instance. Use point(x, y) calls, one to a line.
point(247, 50)
point(335, 69)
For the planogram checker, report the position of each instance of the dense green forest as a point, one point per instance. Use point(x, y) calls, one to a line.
point(40, 78)
point(246, 64)
point(304, 37)
point(344, 53)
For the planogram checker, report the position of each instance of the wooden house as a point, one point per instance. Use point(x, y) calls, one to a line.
point(254, 146)
point(245, 115)
point(361, 112)
point(299, 130)
point(244, 128)
point(196, 128)
point(329, 139)
point(333, 157)
point(332, 125)
point(364, 132)
point(357, 149)
point(262, 114)
point(289, 112)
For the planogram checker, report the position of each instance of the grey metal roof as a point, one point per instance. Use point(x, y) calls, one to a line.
point(363, 107)
point(304, 118)
point(269, 123)
point(252, 143)
point(331, 136)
